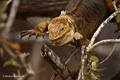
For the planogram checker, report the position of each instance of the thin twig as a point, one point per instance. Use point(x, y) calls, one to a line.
point(101, 27)
point(72, 54)
point(9, 51)
point(114, 4)
point(83, 60)
point(103, 42)
point(110, 51)
point(109, 54)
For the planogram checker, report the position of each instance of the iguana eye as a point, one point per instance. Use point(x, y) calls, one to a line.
point(62, 28)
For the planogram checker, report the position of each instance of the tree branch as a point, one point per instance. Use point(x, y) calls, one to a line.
point(109, 54)
point(72, 54)
point(83, 63)
point(101, 27)
point(12, 15)
point(89, 49)
point(55, 62)
point(92, 45)
point(48, 8)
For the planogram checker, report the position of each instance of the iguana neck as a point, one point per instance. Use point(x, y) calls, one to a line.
point(88, 16)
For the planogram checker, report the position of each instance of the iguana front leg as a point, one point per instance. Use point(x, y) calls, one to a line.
point(37, 31)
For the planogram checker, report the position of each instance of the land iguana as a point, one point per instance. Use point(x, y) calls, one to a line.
point(75, 25)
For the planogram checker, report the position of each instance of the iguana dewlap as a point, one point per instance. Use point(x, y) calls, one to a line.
point(76, 24)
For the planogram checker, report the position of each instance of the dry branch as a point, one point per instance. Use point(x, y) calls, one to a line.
point(69, 58)
point(101, 27)
point(12, 16)
point(83, 63)
point(109, 54)
point(103, 42)
point(55, 62)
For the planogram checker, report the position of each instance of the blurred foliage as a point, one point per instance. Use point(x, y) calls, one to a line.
point(13, 63)
point(3, 6)
point(91, 70)
point(3, 15)
point(22, 56)
point(8, 45)
point(69, 78)
point(1, 52)
point(18, 63)
point(118, 18)
point(11, 44)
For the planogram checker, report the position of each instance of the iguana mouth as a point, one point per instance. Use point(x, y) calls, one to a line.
point(62, 38)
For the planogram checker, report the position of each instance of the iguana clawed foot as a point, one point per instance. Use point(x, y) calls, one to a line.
point(30, 33)
point(39, 30)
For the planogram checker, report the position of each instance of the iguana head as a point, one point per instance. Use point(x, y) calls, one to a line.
point(60, 32)
point(63, 30)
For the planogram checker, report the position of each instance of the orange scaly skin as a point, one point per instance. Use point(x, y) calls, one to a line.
point(75, 25)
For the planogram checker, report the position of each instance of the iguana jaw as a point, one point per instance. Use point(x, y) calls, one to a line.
point(68, 39)
point(65, 39)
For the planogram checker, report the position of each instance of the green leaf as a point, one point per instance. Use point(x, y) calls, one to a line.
point(7, 63)
point(94, 77)
point(12, 62)
point(118, 18)
point(94, 59)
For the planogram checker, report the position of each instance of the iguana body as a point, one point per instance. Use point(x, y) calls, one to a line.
point(76, 24)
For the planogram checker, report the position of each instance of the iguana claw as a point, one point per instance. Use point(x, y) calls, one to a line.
point(30, 33)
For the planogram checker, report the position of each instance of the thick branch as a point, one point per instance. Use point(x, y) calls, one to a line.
point(72, 54)
point(12, 16)
point(55, 62)
point(41, 7)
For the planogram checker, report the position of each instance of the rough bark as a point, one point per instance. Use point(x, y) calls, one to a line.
point(50, 8)
point(55, 62)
